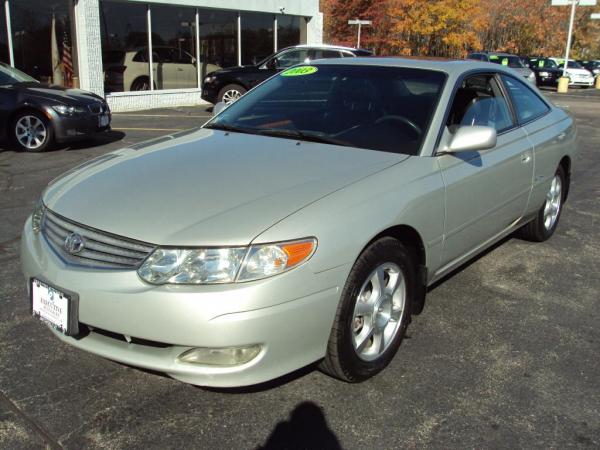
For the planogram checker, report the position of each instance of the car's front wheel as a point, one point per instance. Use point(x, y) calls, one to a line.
point(543, 226)
point(32, 132)
point(231, 93)
point(374, 312)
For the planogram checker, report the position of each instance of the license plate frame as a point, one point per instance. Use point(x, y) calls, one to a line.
point(103, 120)
point(67, 299)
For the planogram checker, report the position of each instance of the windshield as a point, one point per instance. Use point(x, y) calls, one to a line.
point(545, 63)
point(510, 61)
point(370, 107)
point(10, 75)
point(571, 65)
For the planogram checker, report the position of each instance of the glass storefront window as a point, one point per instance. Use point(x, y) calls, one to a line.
point(124, 46)
point(42, 44)
point(174, 43)
point(288, 31)
point(3, 36)
point(257, 37)
point(218, 38)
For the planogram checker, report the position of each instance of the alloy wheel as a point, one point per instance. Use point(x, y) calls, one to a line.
point(553, 203)
point(231, 96)
point(31, 132)
point(378, 311)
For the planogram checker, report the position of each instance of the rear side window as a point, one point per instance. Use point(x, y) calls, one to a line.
point(527, 104)
point(319, 54)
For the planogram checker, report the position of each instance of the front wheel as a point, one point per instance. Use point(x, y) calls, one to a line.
point(231, 93)
point(545, 223)
point(373, 314)
point(32, 132)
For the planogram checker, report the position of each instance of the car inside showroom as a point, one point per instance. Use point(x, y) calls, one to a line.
point(148, 54)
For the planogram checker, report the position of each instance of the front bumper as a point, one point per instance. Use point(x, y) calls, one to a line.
point(210, 92)
point(289, 315)
point(72, 128)
point(581, 82)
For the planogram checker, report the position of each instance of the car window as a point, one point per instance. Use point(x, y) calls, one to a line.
point(347, 54)
point(370, 107)
point(527, 104)
point(318, 54)
point(479, 101)
point(507, 60)
point(141, 56)
point(291, 58)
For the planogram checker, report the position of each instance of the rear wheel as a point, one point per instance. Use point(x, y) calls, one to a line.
point(231, 93)
point(32, 131)
point(374, 312)
point(141, 84)
point(546, 221)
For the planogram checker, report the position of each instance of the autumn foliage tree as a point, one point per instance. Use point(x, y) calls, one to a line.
point(455, 27)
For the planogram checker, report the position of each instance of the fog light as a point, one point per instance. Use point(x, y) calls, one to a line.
point(226, 356)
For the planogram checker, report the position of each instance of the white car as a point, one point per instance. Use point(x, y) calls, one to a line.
point(578, 76)
point(173, 68)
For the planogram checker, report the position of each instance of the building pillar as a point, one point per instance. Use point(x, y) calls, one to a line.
point(89, 46)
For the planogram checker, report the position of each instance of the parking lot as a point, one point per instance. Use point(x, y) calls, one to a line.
point(505, 354)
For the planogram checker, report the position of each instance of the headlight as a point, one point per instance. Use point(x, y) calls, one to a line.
point(544, 74)
point(65, 110)
point(37, 217)
point(224, 265)
point(209, 79)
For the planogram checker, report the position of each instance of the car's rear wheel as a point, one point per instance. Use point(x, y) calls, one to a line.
point(373, 314)
point(231, 93)
point(32, 132)
point(545, 223)
point(141, 84)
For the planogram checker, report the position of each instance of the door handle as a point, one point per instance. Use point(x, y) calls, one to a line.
point(525, 158)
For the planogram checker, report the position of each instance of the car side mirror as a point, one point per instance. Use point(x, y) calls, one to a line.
point(472, 138)
point(219, 106)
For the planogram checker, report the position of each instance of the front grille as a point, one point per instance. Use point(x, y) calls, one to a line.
point(100, 249)
point(97, 108)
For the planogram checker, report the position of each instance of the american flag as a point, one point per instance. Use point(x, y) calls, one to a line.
point(67, 60)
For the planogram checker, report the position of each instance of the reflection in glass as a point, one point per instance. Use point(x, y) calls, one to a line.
point(3, 37)
point(218, 37)
point(42, 44)
point(257, 37)
point(288, 31)
point(124, 46)
point(174, 47)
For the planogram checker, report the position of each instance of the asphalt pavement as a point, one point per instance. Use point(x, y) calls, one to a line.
point(505, 355)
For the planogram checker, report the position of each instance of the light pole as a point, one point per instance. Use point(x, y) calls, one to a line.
point(360, 23)
point(563, 82)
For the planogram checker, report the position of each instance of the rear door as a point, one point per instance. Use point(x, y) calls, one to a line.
point(486, 191)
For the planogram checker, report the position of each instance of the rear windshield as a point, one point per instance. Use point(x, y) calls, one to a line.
point(510, 61)
point(377, 108)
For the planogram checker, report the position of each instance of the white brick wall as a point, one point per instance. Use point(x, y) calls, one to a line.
point(156, 99)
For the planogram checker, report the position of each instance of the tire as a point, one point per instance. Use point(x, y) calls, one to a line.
point(346, 358)
point(32, 132)
point(230, 93)
point(544, 225)
point(141, 84)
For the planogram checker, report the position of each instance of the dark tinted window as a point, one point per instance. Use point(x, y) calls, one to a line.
point(378, 108)
point(288, 30)
point(318, 54)
point(291, 58)
point(528, 105)
point(3, 36)
point(218, 37)
point(257, 37)
point(507, 60)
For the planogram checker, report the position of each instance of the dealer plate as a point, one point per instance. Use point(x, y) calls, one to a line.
point(50, 305)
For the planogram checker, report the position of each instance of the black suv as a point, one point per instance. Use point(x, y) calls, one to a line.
point(227, 85)
point(546, 71)
point(592, 66)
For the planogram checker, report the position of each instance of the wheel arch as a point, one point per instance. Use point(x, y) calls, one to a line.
point(24, 108)
point(565, 163)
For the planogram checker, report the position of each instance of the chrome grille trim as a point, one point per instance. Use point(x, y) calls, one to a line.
point(102, 250)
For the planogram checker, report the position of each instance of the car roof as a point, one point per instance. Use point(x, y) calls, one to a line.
point(326, 46)
point(450, 66)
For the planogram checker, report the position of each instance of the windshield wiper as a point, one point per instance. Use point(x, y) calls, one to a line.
point(228, 127)
point(301, 135)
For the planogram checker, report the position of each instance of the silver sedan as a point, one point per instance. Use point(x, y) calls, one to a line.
point(303, 223)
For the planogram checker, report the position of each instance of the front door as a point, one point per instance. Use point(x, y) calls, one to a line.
point(486, 191)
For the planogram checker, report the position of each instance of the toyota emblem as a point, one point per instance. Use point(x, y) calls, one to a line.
point(74, 243)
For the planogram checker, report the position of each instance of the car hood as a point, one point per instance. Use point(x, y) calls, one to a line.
point(584, 72)
point(207, 187)
point(57, 94)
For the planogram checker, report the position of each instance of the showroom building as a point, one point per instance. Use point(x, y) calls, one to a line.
point(109, 46)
